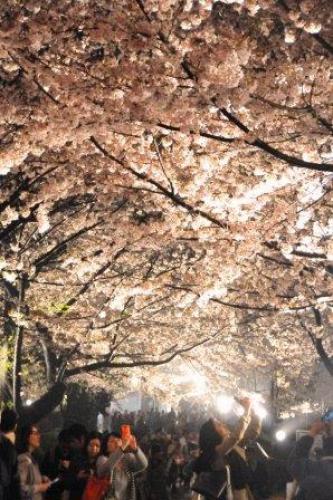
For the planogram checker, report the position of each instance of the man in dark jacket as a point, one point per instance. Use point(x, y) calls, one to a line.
point(9, 477)
point(315, 477)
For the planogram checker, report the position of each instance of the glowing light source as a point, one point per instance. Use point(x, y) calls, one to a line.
point(280, 435)
point(260, 411)
point(28, 402)
point(224, 403)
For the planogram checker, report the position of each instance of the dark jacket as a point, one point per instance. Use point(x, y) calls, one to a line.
point(81, 463)
point(9, 477)
point(314, 476)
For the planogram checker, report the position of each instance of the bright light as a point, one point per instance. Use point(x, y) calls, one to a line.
point(224, 403)
point(280, 435)
point(256, 397)
point(28, 402)
point(238, 409)
point(260, 411)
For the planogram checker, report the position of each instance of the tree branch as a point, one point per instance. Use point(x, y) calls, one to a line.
point(264, 146)
point(61, 247)
point(176, 198)
point(98, 365)
point(318, 345)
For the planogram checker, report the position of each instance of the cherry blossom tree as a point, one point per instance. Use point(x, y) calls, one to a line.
point(166, 184)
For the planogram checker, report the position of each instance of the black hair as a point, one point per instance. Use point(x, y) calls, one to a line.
point(114, 434)
point(77, 431)
point(9, 419)
point(91, 436)
point(209, 438)
point(64, 436)
point(25, 432)
point(155, 448)
point(106, 439)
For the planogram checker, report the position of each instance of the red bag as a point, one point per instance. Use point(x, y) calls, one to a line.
point(96, 488)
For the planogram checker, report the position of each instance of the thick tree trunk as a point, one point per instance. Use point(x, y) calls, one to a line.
point(18, 344)
point(6, 353)
point(44, 405)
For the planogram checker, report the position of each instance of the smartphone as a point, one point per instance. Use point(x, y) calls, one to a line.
point(125, 431)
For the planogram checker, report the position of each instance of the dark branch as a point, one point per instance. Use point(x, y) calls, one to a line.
point(176, 198)
point(99, 365)
point(264, 146)
point(61, 247)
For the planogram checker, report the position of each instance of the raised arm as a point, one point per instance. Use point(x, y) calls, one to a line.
point(105, 465)
point(137, 461)
point(237, 435)
point(253, 430)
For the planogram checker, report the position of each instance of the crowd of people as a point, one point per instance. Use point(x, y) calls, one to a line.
point(161, 456)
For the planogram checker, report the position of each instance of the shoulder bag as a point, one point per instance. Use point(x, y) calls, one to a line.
point(213, 484)
point(96, 488)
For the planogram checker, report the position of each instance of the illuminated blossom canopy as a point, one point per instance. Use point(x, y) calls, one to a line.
point(166, 188)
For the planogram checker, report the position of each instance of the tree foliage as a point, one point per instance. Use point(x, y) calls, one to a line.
point(166, 183)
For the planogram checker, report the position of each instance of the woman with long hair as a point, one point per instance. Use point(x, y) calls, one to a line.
point(84, 465)
point(220, 447)
point(33, 484)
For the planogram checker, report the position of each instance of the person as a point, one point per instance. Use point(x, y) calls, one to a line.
point(100, 423)
point(175, 466)
point(220, 447)
point(123, 461)
point(241, 474)
point(84, 466)
point(33, 484)
point(259, 477)
point(57, 458)
point(77, 439)
point(157, 477)
point(314, 477)
point(9, 477)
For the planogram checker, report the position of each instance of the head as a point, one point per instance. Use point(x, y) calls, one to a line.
point(159, 434)
point(113, 442)
point(156, 451)
point(8, 422)
point(64, 440)
point(94, 445)
point(77, 436)
point(30, 438)
point(211, 434)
